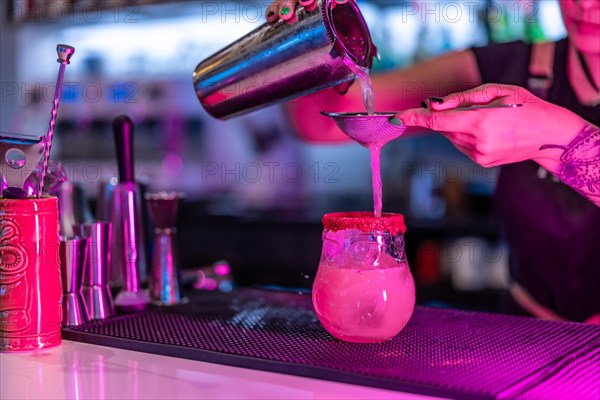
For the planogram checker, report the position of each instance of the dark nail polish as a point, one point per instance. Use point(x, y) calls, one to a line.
point(436, 100)
point(423, 104)
point(270, 14)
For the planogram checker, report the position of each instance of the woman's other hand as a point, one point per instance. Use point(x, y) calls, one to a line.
point(286, 10)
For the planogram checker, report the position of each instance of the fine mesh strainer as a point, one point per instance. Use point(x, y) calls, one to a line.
point(365, 128)
point(377, 128)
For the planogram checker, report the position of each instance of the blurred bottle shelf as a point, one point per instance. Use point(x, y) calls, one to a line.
point(69, 11)
point(92, 11)
point(505, 20)
point(464, 269)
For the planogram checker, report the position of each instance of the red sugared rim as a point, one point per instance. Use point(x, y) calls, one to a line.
point(365, 221)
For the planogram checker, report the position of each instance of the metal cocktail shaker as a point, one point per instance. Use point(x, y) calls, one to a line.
point(279, 62)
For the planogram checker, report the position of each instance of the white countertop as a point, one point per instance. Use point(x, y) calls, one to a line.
point(83, 371)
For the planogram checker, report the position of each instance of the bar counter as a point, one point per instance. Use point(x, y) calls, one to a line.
point(255, 343)
point(84, 371)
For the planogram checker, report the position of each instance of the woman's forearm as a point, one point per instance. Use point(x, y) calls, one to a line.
point(577, 164)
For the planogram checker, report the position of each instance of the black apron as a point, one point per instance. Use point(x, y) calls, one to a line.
point(553, 231)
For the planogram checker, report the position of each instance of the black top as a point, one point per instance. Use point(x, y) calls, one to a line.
point(553, 232)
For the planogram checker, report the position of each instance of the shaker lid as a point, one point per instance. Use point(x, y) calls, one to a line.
point(349, 32)
point(365, 221)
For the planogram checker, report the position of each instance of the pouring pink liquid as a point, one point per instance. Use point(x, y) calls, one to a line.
point(375, 147)
point(364, 291)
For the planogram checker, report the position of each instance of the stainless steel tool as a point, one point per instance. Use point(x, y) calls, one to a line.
point(129, 245)
point(19, 156)
point(56, 174)
point(73, 208)
point(376, 128)
point(65, 53)
point(72, 262)
point(278, 62)
point(106, 192)
point(164, 277)
point(365, 128)
point(96, 292)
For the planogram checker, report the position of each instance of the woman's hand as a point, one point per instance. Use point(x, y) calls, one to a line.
point(559, 140)
point(497, 136)
point(285, 9)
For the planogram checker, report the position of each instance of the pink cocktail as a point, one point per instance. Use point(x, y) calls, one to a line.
point(363, 291)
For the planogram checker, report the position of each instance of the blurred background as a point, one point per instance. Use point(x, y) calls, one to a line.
point(256, 194)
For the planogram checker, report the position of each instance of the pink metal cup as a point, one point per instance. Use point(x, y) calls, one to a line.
point(30, 286)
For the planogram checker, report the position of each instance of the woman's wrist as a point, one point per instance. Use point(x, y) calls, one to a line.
point(576, 162)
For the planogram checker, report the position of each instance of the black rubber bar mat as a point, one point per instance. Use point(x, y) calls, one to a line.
point(441, 352)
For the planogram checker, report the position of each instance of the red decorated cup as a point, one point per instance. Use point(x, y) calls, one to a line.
point(30, 285)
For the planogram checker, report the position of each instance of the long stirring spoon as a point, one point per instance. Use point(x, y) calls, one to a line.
point(65, 53)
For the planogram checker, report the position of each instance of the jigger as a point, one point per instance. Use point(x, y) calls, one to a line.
point(72, 261)
point(164, 279)
point(96, 292)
